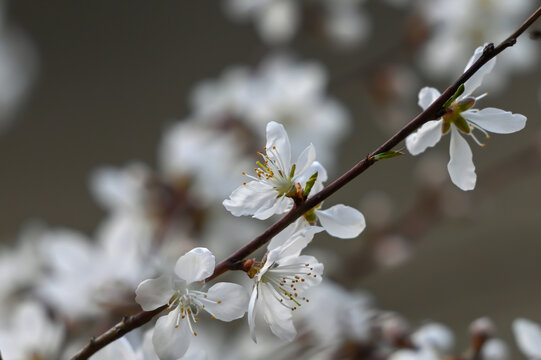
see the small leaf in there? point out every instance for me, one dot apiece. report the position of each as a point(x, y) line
point(458, 92)
point(310, 184)
point(387, 155)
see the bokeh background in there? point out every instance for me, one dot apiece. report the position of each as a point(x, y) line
point(110, 75)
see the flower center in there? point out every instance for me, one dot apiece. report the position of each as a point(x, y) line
point(452, 116)
point(273, 171)
point(189, 305)
point(288, 282)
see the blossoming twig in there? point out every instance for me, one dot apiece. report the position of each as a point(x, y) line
point(434, 111)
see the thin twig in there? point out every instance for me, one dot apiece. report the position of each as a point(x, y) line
point(126, 325)
point(434, 111)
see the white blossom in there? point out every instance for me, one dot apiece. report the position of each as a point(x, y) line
point(266, 194)
point(172, 333)
point(30, 334)
point(460, 119)
point(528, 337)
point(281, 281)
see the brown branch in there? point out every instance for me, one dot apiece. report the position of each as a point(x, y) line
point(126, 325)
point(434, 111)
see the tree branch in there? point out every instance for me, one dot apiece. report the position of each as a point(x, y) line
point(431, 113)
point(126, 325)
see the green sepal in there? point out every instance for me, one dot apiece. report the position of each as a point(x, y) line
point(310, 184)
point(462, 124)
point(387, 155)
point(310, 216)
point(458, 92)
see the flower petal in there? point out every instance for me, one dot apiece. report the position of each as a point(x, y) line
point(528, 337)
point(342, 221)
point(278, 144)
point(119, 349)
point(196, 265)
point(426, 136)
point(304, 162)
point(496, 120)
point(427, 96)
point(297, 241)
point(252, 313)
point(170, 342)
point(277, 316)
point(475, 81)
point(153, 293)
point(283, 236)
point(233, 301)
point(276, 206)
point(252, 198)
point(314, 167)
point(460, 167)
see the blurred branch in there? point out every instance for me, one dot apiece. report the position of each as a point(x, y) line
point(434, 111)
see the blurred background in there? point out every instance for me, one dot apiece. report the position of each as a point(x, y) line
point(102, 81)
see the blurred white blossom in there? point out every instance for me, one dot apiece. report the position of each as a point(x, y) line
point(30, 334)
point(459, 25)
point(277, 21)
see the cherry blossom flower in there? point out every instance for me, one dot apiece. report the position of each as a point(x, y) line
point(172, 333)
point(528, 336)
point(266, 194)
point(461, 119)
point(280, 282)
point(31, 334)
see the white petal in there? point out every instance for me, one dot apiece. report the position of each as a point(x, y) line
point(316, 167)
point(460, 167)
point(283, 236)
point(528, 337)
point(171, 343)
point(277, 138)
point(298, 241)
point(196, 265)
point(252, 313)
point(427, 96)
point(475, 81)
point(146, 350)
point(426, 136)
point(277, 316)
point(276, 206)
point(314, 264)
point(304, 162)
point(495, 349)
point(496, 120)
point(233, 301)
point(436, 336)
point(277, 21)
point(119, 349)
point(250, 198)
point(342, 221)
point(153, 293)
